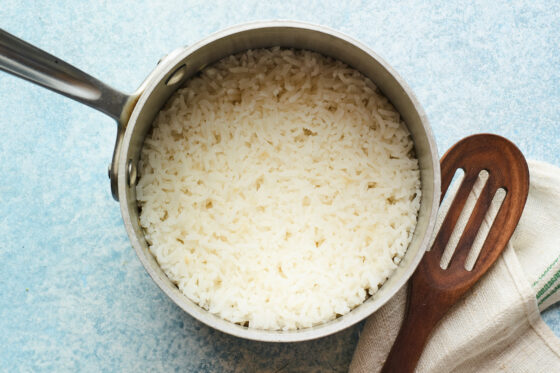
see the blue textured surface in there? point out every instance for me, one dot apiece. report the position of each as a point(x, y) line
point(74, 297)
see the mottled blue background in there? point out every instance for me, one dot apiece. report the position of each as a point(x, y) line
point(74, 297)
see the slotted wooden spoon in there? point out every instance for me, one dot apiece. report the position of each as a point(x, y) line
point(434, 290)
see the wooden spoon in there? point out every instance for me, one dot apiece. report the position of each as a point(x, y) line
point(434, 290)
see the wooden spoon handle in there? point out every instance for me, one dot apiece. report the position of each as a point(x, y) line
point(408, 346)
point(419, 321)
point(410, 342)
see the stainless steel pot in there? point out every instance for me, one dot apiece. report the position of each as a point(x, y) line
point(135, 114)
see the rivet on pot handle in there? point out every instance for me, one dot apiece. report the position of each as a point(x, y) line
point(37, 66)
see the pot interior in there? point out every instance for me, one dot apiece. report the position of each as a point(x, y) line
point(161, 84)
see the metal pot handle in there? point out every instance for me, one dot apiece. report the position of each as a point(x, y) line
point(37, 66)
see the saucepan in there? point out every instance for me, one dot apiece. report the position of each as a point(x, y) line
point(135, 113)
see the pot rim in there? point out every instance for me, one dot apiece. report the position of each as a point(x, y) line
point(354, 316)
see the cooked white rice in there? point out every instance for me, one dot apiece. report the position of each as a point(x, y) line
point(278, 189)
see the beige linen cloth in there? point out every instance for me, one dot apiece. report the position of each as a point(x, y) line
point(497, 326)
